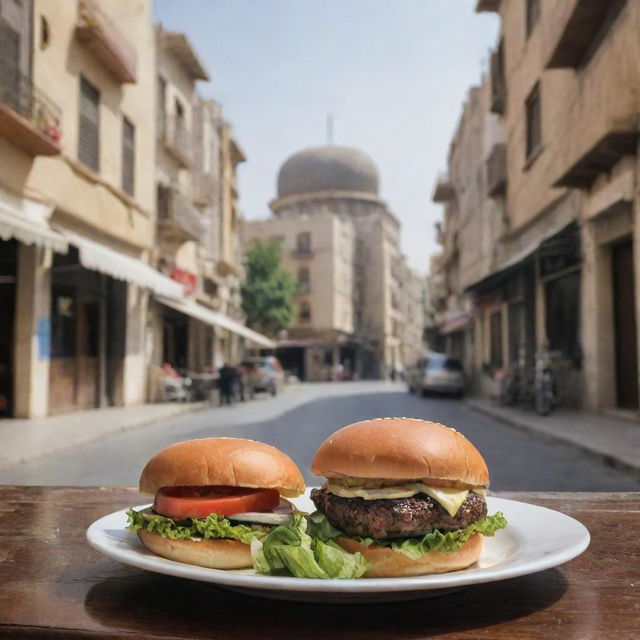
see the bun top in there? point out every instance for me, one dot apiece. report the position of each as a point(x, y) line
point(403, 449)
point(233, 462)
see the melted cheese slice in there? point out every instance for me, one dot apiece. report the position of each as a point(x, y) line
point(450, 499)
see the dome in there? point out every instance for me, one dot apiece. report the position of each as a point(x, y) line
point(328, 168)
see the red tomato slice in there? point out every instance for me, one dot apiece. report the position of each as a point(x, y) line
point(199, 502)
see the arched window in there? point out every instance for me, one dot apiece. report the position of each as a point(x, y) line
point(304, 315)
point(304, 280)
point(303, 242)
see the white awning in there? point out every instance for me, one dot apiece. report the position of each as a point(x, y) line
point(216, 319)
point(98, 257)
point(26, 221)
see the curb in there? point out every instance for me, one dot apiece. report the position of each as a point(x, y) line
point(24, 459)
point(521, 425)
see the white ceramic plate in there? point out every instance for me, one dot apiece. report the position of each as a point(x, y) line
point(536, 539)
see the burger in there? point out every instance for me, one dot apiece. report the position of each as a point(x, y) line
point(213, 498)
point(406, 494)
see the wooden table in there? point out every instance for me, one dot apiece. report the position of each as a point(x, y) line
point(53, 585)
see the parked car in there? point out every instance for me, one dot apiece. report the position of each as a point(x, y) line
point(436, 373)
point(263, 373)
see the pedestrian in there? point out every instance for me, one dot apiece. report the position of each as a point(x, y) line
point(226, 383)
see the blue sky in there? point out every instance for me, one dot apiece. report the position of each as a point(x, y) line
point(393, 73)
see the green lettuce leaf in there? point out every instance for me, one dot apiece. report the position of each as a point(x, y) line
point(213, 526)
point(445, 542)
point(290, 549)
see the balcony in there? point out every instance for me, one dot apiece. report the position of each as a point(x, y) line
point(105, 41)
point(177, 140)
point(28, 119)
point(443, 190)
point(488, 5)
point(497, 171)
point(205, 189)
point(584, 27)
point(600, 158)
point(178, 45)
point(498, 82)
point(178, 220)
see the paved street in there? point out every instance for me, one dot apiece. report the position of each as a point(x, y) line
point(301, 418)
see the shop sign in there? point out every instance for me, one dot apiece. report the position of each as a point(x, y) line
point(187, 279)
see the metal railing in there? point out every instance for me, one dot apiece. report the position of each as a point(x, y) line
point(206, 188)
point(18, 92)
point(175, 210)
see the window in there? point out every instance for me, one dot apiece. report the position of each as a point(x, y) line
point(533, 13)
point(89, 126)
point(495, 329)
point(534, 121)
point(161, 114)
point(303, 242)
point(304, 314)
point(304, 280)
point(562, 297)
point(498, 80)
point(128, 156)
point(163, 201)
point(63, 322)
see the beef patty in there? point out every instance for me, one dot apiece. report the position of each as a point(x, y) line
point(396, 517)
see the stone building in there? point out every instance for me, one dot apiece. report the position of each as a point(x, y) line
point(564, 85)
point(76, 204)
point(342, 244)
point(414, 307)
point(78, 217)
point(198, 219)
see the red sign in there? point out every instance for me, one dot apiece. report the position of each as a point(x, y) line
point(185, 278)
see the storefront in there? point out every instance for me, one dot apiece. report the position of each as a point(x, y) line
point(88, 329)
point(192, 337)
point(8, 277)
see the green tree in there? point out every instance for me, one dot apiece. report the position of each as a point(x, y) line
point(268, 290)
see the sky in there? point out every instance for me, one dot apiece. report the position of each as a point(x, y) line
point(393, 74)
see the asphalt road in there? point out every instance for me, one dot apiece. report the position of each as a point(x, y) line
point(301, 418)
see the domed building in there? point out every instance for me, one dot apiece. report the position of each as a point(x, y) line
point(342, 244)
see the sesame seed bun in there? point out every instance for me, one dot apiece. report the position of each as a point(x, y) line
point(401, 449)
point(233, 462)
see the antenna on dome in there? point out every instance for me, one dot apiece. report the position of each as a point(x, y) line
point(329, 129)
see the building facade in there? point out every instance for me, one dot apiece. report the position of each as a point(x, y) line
point(341, 243)
point(78, 203)
point(197, 239)
point(559, 274)
point(79, 232)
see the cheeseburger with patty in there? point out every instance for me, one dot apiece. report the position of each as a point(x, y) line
point(213, 498)
point(407, 494)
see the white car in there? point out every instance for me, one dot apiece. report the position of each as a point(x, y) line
point(436, 373)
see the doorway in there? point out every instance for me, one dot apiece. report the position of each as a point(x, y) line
point(8, 261)
point(624, 320)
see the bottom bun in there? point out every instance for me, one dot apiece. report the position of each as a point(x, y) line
point(214, 554)
point(387, 563)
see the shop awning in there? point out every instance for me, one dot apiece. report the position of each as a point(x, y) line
point(26, 221)
point(451, 323)
point(216, 319)
point(98, 257)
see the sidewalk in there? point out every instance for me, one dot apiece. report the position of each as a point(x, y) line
point(24, 439)
point(614, 439)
